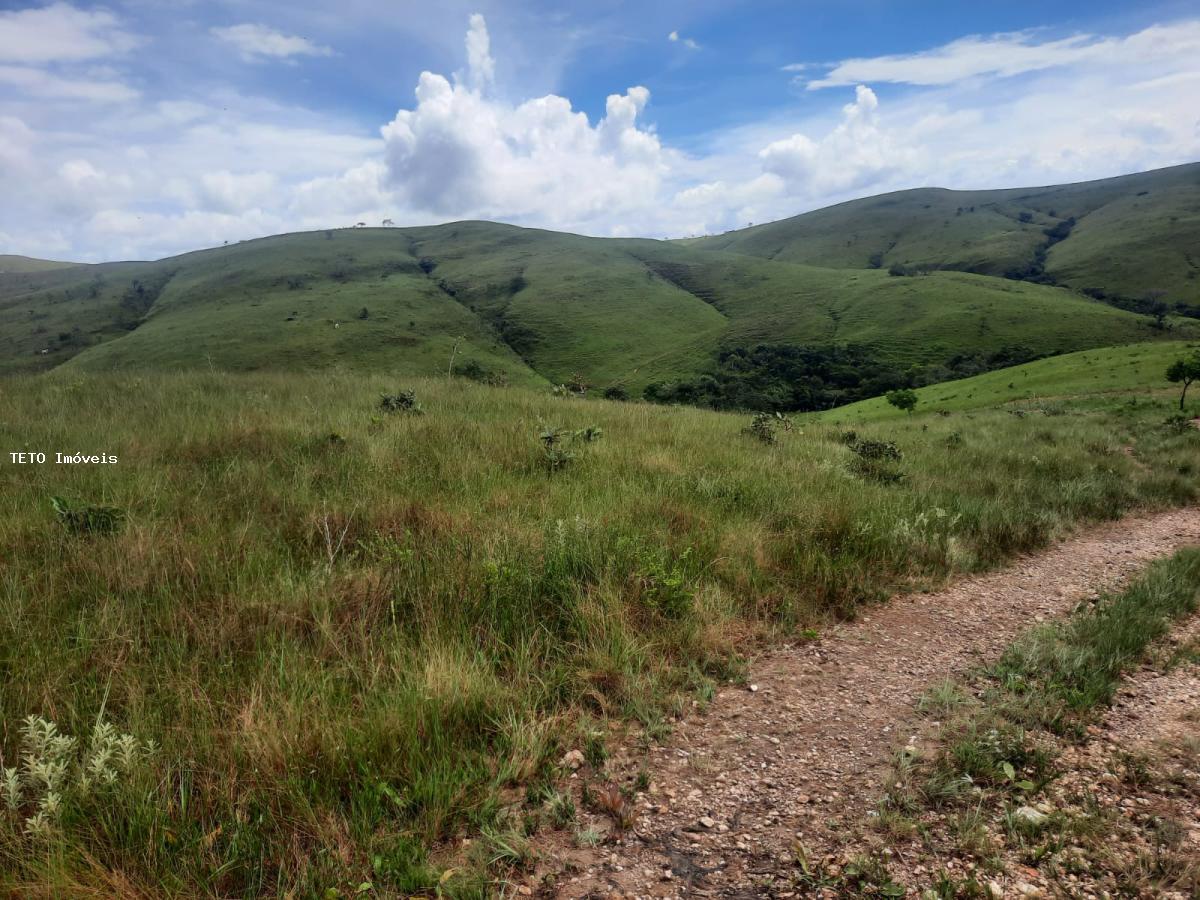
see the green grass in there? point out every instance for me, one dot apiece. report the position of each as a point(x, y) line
point(1135, 370)
point(1133, 234)
point(533, 306)
point(353, 632)
point(998, 758)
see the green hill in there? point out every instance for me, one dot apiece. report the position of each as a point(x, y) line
point(522, 304)
point(1130, 235)
point(527, 306)
point(1133, 369)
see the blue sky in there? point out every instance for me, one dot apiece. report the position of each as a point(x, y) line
point(148, 127)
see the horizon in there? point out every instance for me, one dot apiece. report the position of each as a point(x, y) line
point(445, 223)
point(129, 132)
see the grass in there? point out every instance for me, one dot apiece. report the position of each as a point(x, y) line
point(530, 307)
point(1133, 234)
point(1107, 374)
point(999, 749)
point(354, 634)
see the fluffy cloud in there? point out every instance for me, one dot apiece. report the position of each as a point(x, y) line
point(856, 154)
point(98, 164)
point(258, 42)
point(462, 152)
point(1005, 55)
point(60, 33)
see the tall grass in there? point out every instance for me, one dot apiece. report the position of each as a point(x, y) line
point(351, 632)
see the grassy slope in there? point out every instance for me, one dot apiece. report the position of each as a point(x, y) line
point(1135, 233)
point(534, 305)
point(912, 320)
point(10, 264)
point(1133, 369)
point(362, 642)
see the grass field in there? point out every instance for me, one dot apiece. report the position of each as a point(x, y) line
point(359, 637)
point(1134, 370)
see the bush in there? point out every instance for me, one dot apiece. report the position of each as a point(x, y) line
point(86, 519)
point(405, 401)
point(558, 444)
point(903, 398)
point(616, 392)
point(765, 426)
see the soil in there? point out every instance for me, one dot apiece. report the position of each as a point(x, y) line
point(797, 756)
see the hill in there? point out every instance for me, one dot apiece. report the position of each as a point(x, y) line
point(1124, 236)
point(521, 305)
point(1136, 369)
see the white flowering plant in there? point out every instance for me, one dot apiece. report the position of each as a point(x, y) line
point(55, 770)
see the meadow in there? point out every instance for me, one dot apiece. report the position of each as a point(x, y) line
point(360, 638)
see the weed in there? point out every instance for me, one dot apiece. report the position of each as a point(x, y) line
point(88, 519)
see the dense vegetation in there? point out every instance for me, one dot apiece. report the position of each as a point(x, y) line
point(788, 378)
point(351, 626)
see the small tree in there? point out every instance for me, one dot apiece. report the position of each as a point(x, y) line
point(1184, 371)
point(1157, 307)
point(904, 399)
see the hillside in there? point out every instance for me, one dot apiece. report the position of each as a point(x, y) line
point(522, 305)
point(1136, 369)
point(1130, 235)
point(381, 632)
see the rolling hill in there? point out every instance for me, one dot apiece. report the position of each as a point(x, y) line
point(1128, 235)
point(529, 307)
point(1136, 369)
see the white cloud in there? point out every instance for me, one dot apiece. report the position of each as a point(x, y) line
point(60, 33)
point(1005, 55)
point(259, 42)
point(856, 154)
point(149, 174)
point(37, 82)
point(688, 42)
point(481, 68)
point(461, 152)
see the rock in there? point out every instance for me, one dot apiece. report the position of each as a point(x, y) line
point(754, 688)
point(572, 759)
point(707, 821)
point(995, 891)
point(1030, 815)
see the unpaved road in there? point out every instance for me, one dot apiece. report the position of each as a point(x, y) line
point(801, 756)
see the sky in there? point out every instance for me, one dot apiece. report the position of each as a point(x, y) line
point(143, 128)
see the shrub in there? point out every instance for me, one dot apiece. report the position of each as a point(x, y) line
point(765, 426)
point(558, 444)
point(86, 519)
point(615, 392)
point(405, 401)
point(871, 461)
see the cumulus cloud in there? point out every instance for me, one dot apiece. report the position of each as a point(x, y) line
point(481, 68)
point(462, 152)
point(857, 153)
point(256, 43)
point(60, 33)
point(1005, 55)
point(92, 169)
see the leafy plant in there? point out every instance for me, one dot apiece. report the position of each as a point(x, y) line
point(766, 426)
point(404, 401)
point(87, 519)
point(57, 772)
